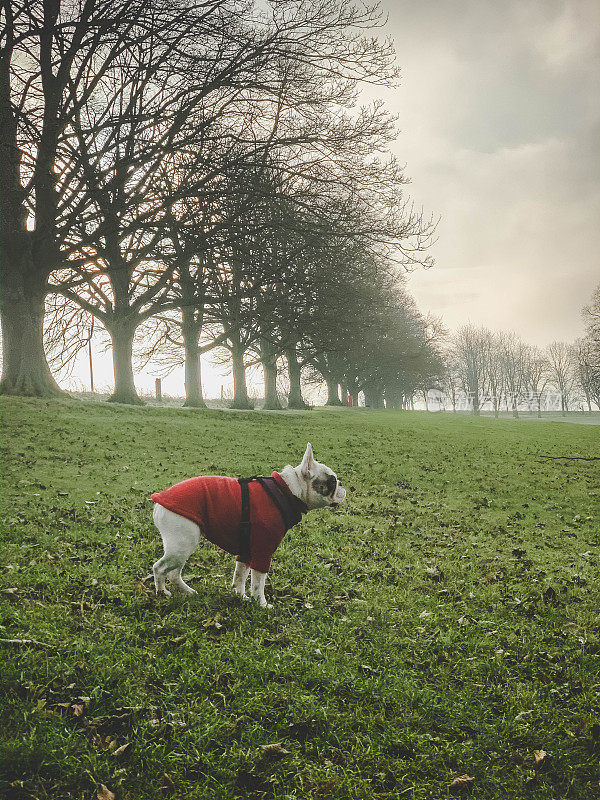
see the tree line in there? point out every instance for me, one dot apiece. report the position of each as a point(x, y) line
point(500, 371)
point(193, 176)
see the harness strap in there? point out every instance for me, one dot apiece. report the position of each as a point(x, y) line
point(276, 495)
point(244, 552)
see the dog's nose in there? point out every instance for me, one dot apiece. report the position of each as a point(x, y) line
point(340, 495)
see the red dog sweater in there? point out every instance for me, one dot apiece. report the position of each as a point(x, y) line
point(215, 505)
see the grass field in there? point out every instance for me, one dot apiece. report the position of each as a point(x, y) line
point(443, 622)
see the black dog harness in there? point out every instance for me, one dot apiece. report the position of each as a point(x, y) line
point(289, 514)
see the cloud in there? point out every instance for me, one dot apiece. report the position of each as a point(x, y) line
point(499, 134)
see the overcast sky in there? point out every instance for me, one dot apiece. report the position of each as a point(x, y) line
point(498, 110)
point(499, 114)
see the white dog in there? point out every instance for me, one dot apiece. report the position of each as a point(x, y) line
point(247, 518)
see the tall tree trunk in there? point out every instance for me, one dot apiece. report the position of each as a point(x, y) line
point(269, 362)
point(240, 391)
point(26, 257)
point(190, 329)
point(333, 398)
point(121, 333)
point(25, 369)
point(373, 397)
point(271, 398)
point(294, 371)
point(476, 402)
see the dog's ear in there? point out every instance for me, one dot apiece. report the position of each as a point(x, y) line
point(308, 462)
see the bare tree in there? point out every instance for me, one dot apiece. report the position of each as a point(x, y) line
point(515, 356)
point(562, 374)
point(587, 370)
point(537, 376)
point(588, 351)
point(87, 89)
point(51, 55)
point(471, 359)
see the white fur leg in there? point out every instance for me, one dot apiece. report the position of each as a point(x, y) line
point(178, 583)
point(257, 588)
point(180, 538)
point(240, 575)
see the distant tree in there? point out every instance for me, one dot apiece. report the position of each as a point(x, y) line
point(515, 355)
point(470, 352)
point(536, 377)
point(495, 377)
point(561, 371)
point(585, 373)
point(588, 352)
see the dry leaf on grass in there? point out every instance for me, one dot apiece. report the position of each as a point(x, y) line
point(167, 784)
point(214, 624)
point(104, 793)
point(122, 750)
point(540, 757)
point(461, 783)
point(275, 750)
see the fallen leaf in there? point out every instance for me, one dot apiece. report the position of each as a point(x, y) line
point(461, 783)
point(540, 757)
point(275, 750)
point(325, 788)
point(122, 750)
point(167, 784)
point(491, 577)
point(104, 793)
point(103, 742)
point(213, 623)
point(550, 596)
point(10, 590)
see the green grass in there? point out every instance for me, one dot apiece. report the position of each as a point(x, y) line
point(443, 621)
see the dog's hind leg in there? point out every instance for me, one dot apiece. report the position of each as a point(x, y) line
point(180, 538)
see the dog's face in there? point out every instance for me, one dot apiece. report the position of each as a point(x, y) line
point(322, 486)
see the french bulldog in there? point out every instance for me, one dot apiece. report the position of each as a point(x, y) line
point(212, 506)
